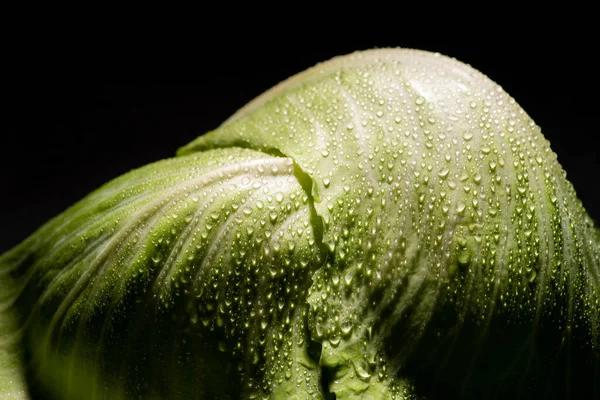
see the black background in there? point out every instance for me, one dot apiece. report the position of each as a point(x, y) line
point(66, 132)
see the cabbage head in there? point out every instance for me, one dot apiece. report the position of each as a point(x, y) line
point(389, 224)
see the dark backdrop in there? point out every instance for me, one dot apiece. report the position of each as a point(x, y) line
point(66, 132)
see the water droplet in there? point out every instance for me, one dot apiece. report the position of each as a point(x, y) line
point(532, 275)
point(361, 372)
point(335, 280)
point(279, 197)
point(331, 246)
point(346, 328)
point(464, 257)
point(348, 278)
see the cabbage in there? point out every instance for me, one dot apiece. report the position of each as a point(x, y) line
point(389, 224)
